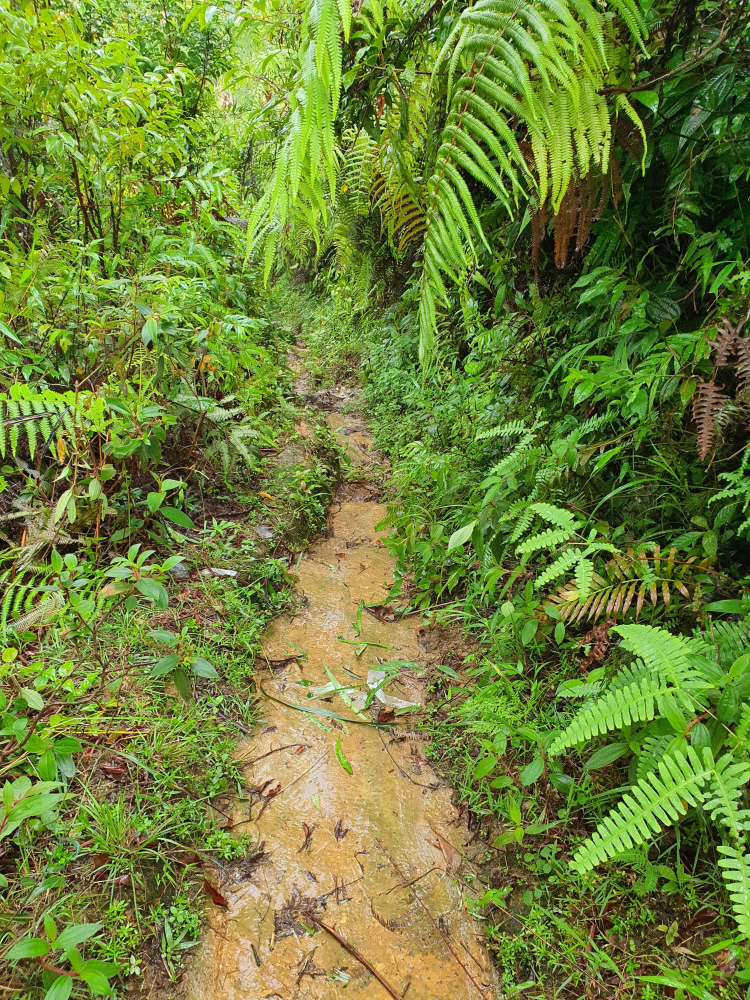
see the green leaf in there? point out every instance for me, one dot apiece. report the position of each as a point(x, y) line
point(46, 766)
point(77, 934)
point(154, 501)
point(202, 668)
point(182, 683)
point(529, 631)
point(67, 745)
point(449, 671)
point(28, 948)
point(96, 982)
point(341, 757)
point(164, 636)
point(728, 707)
point(460, 536)
point(502, 782)
point(60, 989)
point(165, 664)
point(62, 504)
point(178, 517)
point(648, 97)
point(33, 699)
point(606, 755)
point(153, 591)
point(532, 772)
point(483, 767)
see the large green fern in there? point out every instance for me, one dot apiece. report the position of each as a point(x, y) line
point(660, 702)
point(527, 114)
point(307, 162)
point(660, 798)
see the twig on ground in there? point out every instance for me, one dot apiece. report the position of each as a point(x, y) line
point(434, 922)
point(360, 958)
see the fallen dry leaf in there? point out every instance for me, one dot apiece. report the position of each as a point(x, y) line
point(338, 831)
point(215, 895)
point(453, 858)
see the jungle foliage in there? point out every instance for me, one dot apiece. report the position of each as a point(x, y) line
point(143, 394)
point(525, 223)
point(529, 221)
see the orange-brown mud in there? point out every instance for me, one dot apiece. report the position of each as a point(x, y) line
point(375, 854)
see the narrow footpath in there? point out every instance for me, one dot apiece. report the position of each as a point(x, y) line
point(356, 890)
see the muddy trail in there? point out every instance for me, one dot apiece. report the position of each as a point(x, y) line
point(355, 890)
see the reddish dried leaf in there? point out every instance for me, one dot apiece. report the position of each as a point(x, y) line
point(113, 770)
point(215, 895)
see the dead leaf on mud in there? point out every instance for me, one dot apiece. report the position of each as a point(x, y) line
point(338, 831)
point(308, 832)
point(215, 895)
point(453, 858)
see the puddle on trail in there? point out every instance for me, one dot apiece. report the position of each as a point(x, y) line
point(341, 846)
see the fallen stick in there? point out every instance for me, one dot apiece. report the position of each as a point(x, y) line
point(360, 958)
point(434, 923)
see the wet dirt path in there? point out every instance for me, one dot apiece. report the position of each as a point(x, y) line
point(373, 854)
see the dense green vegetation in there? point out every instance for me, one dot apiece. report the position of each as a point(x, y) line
point(522, 225)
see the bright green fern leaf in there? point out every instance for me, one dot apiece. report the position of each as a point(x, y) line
point(659, 799)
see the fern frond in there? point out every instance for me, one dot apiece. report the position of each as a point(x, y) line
point(548, 539)
point(666, 654)
point(728, 781)
point(563, 564)
point(49, 606)
point(660, 798)
point(556, 515)
point(638, 701)
point(653, 750)
point(735, 869)
point(535, 65)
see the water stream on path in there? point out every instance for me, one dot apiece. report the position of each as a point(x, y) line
point(372, 854)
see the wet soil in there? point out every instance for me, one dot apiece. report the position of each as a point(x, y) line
point(374, 854)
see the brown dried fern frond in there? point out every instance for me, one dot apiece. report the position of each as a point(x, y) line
point(629, 576)
point(707, 404)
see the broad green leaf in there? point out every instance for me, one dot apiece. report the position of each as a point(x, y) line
point(28, 948)
point(202, 668)
point(532, 772)
point(483, 767)
point(178, 517)
point(77, 934)
point(153, 591)
point(60, 989)
point(529, 631)
point(154, 501)
point(605, 756)
point(33, 699)
point(461, 536)
point(165, 665)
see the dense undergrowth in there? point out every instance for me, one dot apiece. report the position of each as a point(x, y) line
point(523, 226)
point(153, 487)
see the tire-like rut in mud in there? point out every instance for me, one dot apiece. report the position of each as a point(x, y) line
point(373, 854)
